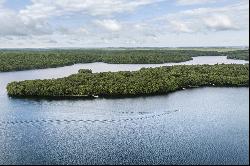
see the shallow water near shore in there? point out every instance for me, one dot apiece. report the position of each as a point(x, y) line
point(195, 126)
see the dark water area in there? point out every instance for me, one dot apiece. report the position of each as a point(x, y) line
point(195, 126)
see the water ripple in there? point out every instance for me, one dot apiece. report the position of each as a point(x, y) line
point(60, 121)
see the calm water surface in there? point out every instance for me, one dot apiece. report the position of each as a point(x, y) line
point(198, 126)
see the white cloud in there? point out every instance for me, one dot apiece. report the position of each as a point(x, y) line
point(46, 8)
point(194, 2)
point(82, 30)
point(219, 23)
point(72, 31)
point(180, 27)
point(13, 24)
point(86, 23)
point(34, 18)
point(1, 2)
point(231, 17)
point(139, 26)
point(108, 24)
point(36, 12)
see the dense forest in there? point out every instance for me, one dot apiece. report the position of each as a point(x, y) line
point(147, 81)
point(15, 60)
point(239, 54)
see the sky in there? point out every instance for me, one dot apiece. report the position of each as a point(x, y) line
point(123, 23)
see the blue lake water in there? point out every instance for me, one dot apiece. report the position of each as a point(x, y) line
point(195, 126)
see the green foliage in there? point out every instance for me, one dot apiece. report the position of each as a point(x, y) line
point(84, 71)
point(147, 81)
point(240, 54)
point(14, 60)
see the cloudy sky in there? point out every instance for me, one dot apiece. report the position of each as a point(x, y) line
point(123, 23)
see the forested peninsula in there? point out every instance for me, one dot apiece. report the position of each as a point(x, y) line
point(147, 81)
point(16, 60)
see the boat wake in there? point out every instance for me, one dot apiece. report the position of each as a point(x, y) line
point(69, 121)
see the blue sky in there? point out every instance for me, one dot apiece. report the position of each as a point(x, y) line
point(123, 23)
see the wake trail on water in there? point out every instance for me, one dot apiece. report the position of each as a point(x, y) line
point(69, 121)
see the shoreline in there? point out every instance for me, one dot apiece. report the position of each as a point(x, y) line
point(145, 82)
point(28, 60)
point(56, 98)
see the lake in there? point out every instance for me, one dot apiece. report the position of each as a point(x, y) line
point(195, 126)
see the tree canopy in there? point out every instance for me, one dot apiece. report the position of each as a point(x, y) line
point(15, 60)
point(147, 81)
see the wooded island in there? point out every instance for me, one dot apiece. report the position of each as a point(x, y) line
point(147, 81)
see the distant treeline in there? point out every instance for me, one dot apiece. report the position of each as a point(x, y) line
point(147, 81)
point(15, 60)
point(239, 54)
